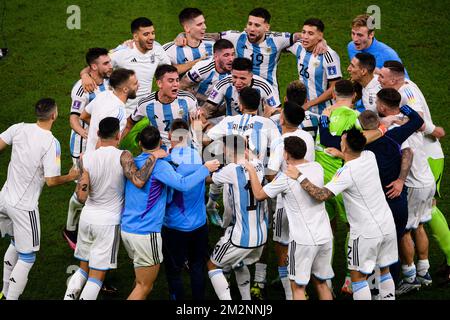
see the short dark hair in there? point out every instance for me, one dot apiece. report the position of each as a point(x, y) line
point(250, 98)
point(261, 13)
point(395, 66)
point(366, 61)
point(94, 53)
point(179, 124)
point(390, 97)
point(242, 64)
point(189, 14)
point(356, 141)
point(149, 137)
point(295, 147)
point(140, 22)
point(344, 88)
point(119, 77)
point(222, 44)
point(314, 22)
point(296, 92)
point(293, 113)
point(108, 128)
point(44, 108)
point(162, 69)
point(368, 120)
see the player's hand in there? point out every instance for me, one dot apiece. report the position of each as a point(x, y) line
point(74, 172)
point(438, 133)
point(159, 154)
point(88, 83)
point(268, 111)
point(306, 106)
point(292, 172)
point(396, 188)
point(212, 165)
point(128, 43)
point(320, 48)
point(389, 120)
point(333, 152)
point(327, 112)
point(180, 40)
point(84, 133)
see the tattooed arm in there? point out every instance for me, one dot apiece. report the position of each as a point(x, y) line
point(83, 184)
point(396, 186)
point(137, 177)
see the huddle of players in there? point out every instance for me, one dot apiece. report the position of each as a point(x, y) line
point(259, 140)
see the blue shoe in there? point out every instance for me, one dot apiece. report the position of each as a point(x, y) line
point(214, 217)
point(424, 280)
point(406, 286)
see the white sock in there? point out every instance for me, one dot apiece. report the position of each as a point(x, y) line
point(387, 287)
point(91, 289)
point(422, 267)
point(19, 278)
point(283, 273)
point(260, 272)
point(409, 272)
point(73, 213)
point(243, 281)
point(9, 261)
point(76, 283)
point(361, 290)
point(220, 284)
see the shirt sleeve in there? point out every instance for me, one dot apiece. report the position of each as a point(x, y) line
point(164, 57)
point(276, 155)
point(282, 40)
point(217, 93)
point(293, 49)
point(277, 186)
point(52, 160)
point(340, 181)
point(139, 113)
point(167, 175)
point(224, 175)
point(116, 55)
point(8, 135)
point(219, 130)
point(332, 65)
point(231, 35)
point(271, 99)
point(79, 100)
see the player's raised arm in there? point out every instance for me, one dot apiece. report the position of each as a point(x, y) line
point(256, 186)
point(320, 194)
point(58, 180)
point(131, 172)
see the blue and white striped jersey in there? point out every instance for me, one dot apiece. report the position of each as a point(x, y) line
point(161, 114)
point(181, 55)
point(265, 55)
point(80, 99)
point(205, 75)
point(315, 72)
point(225, 91)
point(249, 217)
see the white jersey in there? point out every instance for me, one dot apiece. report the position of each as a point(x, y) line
point(315, 72)
point(106, 104)
point(224, 91)
point(369, 94)
point(276, 161)
point(260, 131)
point(249, 217)
point(308, 220)
point(35, 155)
point(265, 55)
point(80, 99)
point(181, 55)
point(414, 98)
point(205, 76)
point(107, 182)
point(161, 115)
point(143, 64)
point(367, 211)
point(420, 174)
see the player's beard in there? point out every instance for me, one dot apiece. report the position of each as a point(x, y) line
point(132, 95)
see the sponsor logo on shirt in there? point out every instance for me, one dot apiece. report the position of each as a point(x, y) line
point(271, 101)
point(76, 105)
point(195, 76)
point(332, 70)
point(133, 60)
point(152, 58)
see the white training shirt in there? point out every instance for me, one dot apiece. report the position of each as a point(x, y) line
point(36, 155)
point(414, 98)
point(367, 211)
point(369, 94)
point(143, 64)
point(260, 131)
point(107, 182)
point(106, 104)
point(249, 217)
point(309, 224)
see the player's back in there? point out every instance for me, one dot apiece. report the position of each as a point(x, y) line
point(105, 200)
point(34, 150)
point(420, 174)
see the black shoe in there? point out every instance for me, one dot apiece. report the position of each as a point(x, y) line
point(108, 289)
point(70, 237)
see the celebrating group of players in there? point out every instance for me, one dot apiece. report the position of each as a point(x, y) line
point(362, 151)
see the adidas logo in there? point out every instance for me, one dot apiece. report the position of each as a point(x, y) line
point(133, 60)
point(8, 263)
point(72, 296)
point(390, 295)
point(12, 280)
point(244, 283)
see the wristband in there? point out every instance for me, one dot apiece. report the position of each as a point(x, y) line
point(382, 128)
point(300, 178)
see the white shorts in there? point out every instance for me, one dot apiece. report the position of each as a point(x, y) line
point(98, 245)
point(23, 225)
point(364, 254)
point(306, 260)
point(280, 224)
point(144, 249)
point(227, 254)
point(420, 203)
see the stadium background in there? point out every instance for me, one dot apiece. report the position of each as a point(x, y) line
point(45, 59)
